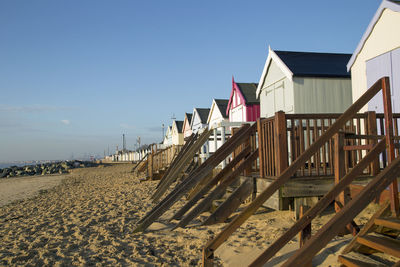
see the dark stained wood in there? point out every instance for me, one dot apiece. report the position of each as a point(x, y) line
point(220, 189)
point(389, 222)
point(231, 203)
point(305, 234)
point(213, 244)
point(221, 175)
point(387, 106)
point(178, 158)
point(358, 147)
point(372, 130)
point(354, 207)
point(367, 227)
point(354, 259)
point(200, 173)
point(281, 148)
point(320, 206)
point(186, 159)
point(382, 243)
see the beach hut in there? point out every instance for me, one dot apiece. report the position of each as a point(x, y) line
point(216, 118)
point(187, 130)
point(304, 82)
point(168, 137)
point(199, 122)
point(243, 105)
point(199, 119)
point(177, 133)
point(378, 55)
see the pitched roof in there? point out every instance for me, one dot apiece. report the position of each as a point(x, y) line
point(189, 117)
point(249, 92)
point(392, 5)
point(312, 64)
point(222, 105)
point(179, 125)
point(203, 114)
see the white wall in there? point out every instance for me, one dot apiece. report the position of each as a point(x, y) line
point(277, 92)
point(384, 37)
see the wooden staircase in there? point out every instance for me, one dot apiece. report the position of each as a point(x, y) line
point(346, 211)
point(377, 244)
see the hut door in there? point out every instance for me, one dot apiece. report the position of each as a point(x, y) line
point(387, 64)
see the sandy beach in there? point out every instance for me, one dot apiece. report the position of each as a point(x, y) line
point(88, 218)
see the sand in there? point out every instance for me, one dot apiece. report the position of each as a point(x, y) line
point(89, 218)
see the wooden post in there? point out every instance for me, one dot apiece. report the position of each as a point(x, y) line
point(305, 234)
point(387, 106)
point(281, 151)
point(340, 171)
point(372, 130)
point(281, 157)
point(223, 142)
point(261, 147)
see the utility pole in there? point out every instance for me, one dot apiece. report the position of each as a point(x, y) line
point(162, 126)
point(123, 143)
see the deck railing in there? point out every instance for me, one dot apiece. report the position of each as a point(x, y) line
point(280, 146)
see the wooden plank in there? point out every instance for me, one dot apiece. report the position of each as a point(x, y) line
point(358, 147)
point(320, 206)
point(261, 149)
point(213, 244)
point(281, 147)
point(367, 227)
point(355, 206)
point(221, 175)
point(231, 203)
point(206, 202)
point(178, 158)
point(382, 243)
point(387, 106)
point(389, 222)
point(191, 181)
point(181, 165)
point(354, 259)
point(305, 234)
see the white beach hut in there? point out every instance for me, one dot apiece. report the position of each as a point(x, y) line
point(378, 55)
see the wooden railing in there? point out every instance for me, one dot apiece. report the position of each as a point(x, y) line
point(299, 131)
point(160, 159)
point(345, 216)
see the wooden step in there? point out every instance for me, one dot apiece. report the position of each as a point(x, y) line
point(382, 243)
point(389, 222)
point(354, 259)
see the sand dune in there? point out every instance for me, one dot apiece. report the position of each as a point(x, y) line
point(89, 218)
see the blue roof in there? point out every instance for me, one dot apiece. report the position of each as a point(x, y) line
point(312, 64)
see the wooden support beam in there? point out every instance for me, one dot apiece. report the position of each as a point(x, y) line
point(373, 130)
point(281, 147)
point(358, 147)
point(191, 181)
point(387, 106)
point(181, 165)
point(354, 207)
point(178, 158)
point(320, 206)
point(231, 203)
point(221, 175)
point(220, 189)
point(305, 234)
point(213, 244)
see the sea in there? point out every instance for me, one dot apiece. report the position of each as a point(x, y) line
point(18, 164)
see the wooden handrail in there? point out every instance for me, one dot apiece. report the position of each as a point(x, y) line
point(321, 205)
point(345, 215)
point(213, 244)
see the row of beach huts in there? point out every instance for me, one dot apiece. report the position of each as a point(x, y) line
point(298, 139)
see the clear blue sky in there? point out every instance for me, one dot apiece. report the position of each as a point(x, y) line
point(76, 75)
